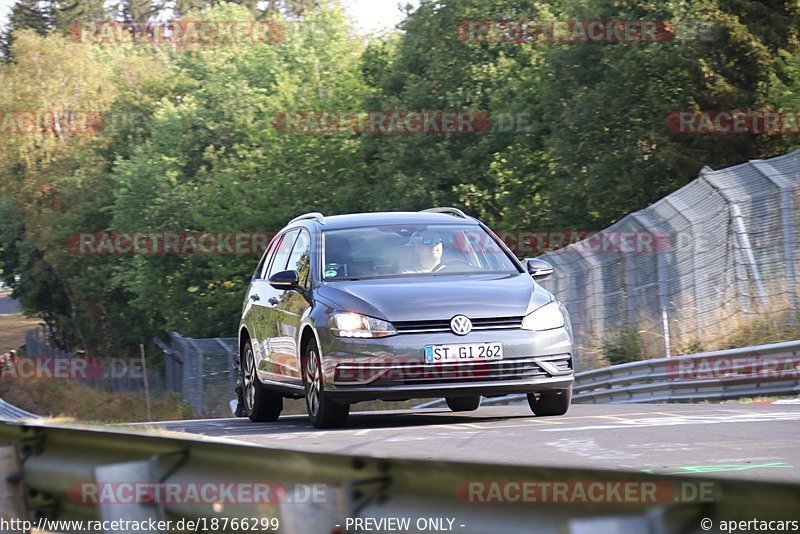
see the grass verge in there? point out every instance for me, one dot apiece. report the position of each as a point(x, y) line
point(73, 400)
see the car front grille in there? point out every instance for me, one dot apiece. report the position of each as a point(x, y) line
point(408, 374)
point(443, 325)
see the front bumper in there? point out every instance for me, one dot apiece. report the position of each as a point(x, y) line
point(394, 368)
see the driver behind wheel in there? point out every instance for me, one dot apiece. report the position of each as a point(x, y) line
point(428, 248)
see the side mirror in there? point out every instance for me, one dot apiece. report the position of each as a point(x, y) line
point(284, 280)
point(538, 269)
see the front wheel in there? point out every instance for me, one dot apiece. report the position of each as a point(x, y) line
point(260, 404)
point(550, 402)
point(463, 404)
point(323, 412)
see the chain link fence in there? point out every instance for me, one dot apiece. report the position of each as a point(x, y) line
point(723, 253)
point(204, 371)
point(120, 375)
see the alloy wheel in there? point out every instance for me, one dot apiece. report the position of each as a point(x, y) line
point(249, 377)
point(313, 379)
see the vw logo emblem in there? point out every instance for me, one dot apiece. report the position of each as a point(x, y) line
point(460, 325)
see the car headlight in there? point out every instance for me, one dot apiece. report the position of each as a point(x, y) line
point(348, 324)
point(547, 317)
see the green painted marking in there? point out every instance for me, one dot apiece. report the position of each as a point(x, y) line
point(684, 469)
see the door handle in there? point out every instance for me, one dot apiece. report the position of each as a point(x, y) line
point(255, 298)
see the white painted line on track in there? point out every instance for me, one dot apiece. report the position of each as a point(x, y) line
point(688, 420)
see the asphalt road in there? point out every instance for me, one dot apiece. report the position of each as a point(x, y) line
point(749, 441)
point(8, 306)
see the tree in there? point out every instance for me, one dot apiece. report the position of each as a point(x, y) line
point(183, 7)
point(594, 145)
point(785, 91)
point(141, 10)
point(25, 15)
point(271, 8)
point(604, 108)
point(213, 161)
point(67, 13)
point(48, 172)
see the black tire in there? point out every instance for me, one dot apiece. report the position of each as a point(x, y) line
point(551, 402)
point(463, 404)
point(260, 404)
point(323, 412)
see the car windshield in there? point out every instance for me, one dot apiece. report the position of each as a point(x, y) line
point(411, 250)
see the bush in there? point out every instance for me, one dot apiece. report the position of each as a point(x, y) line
point(623, 346)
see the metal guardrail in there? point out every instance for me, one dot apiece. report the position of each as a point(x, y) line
point(760, 371)
point(764, 370)
point(50, 464)
point(9, 412)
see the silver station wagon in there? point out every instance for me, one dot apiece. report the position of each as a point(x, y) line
point(397, 306)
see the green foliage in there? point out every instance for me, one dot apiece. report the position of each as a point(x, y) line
point(786, 90)
point(694, 347)
point(25, 15)
point(66, 14)
point(623, 345)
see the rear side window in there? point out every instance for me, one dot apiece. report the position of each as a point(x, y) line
point(300, 259)
point(265, 259)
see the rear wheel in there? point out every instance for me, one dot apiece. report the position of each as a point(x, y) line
point(260, 404)
point(550, 402)
point(463, 404)
point(323, 412)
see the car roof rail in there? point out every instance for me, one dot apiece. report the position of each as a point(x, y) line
point(449, 211)
point(315, 215)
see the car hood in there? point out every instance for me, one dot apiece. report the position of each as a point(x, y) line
point(438, 297)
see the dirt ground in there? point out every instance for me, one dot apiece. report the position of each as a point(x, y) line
point(12, 331)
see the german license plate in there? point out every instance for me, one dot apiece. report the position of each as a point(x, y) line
point(467, 352)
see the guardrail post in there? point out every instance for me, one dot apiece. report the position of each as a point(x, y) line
point(113, 475)
point(12, 500)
